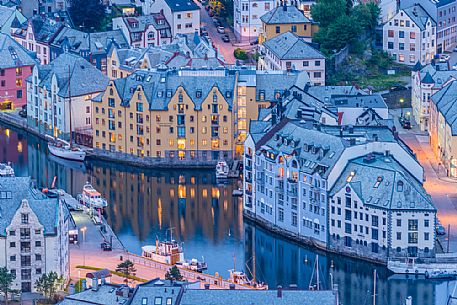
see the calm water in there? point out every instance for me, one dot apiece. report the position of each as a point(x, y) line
point(144, 204)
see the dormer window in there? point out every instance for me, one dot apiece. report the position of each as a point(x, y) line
point(262, 95)
point(400, 186)
point(228, 94)
point(198, 94)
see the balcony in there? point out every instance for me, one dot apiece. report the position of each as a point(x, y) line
point(25, 236)
point(249, 157)
point(279, 189)
point(292, 181)
point(248, 179)
point(248, 192)
point(292, 193)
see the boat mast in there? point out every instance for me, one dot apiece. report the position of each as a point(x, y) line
point(69, 104)
point(317, 271)
point(374, 287)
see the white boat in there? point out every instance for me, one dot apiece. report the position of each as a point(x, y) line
point(91, 198)
point(167, 252)
point(440, 275)
point(6, 170)
point(241, 278)
point(194, 265)
point(66, 151)
point(443, 263)
point(222, 170)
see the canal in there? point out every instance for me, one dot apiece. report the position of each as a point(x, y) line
point(149, 204)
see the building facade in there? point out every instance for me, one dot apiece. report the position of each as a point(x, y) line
point(286, 18)
point(16, 65)
point(10, 19)
point(246, 17)
point(144, 31)
point(34, 236)
point(290, 52)
point(183, 16)
point(410, 36)
point(53, 91)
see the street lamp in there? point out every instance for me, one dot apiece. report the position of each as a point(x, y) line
point(83, 230)
point(401, 106)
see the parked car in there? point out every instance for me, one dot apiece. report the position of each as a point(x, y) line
point(203, 31)
point(397, 88)
point(106, 246)
point(454, 66)
point(444, 57)
point(225, 38)
point(221, 29)
point(455, 49)
point(404, 122)
point(440, 230)
point(23, 112)
point(210, 13)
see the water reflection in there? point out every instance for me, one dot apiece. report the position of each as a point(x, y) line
point(143, 204)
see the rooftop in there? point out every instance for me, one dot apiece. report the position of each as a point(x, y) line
point(106, 294)
point(12, 54)
point(141, 23)
point(419, 16)
point(182, 5)
point(290, 46)
point(284, 14)
point(445, 101)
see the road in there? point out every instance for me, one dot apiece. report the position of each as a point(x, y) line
point(442, 189)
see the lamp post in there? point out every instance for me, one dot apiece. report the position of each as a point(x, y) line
point(401, 106)
point(83, 230)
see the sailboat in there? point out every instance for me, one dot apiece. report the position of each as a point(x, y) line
point(64, 149)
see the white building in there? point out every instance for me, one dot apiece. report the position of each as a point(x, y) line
point(426, 81)
point(49, 90)
point(182, 15)
point(379, 210)
point(34, 233)
point(410, 36)
point(144, 31)
point(288, 51)
point(247, 13)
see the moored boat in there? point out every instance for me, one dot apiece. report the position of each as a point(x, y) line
point(167, 252)
point(194, 265)
point(67, 152)
point(222, 170)
point(6, 170)
point(91, 198)
point(440, 275)
point(241, 278)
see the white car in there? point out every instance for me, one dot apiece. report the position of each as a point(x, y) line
point(444, 57)
point(454, 67)
point(221, 29)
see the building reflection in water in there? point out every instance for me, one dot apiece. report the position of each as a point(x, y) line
point(143, 204)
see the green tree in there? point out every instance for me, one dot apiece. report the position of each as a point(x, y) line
point(327, 11)
point(344, 30)
point(127, 268)
point(240, 54)
point(366, 15)
point(6, 281)
point(48, 283)
point(87, 13)
point(173, 274)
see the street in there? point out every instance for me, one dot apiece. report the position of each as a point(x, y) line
point(442, 189)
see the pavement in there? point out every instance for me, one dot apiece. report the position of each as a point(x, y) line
point(442, 189)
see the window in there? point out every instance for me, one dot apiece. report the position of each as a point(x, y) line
point(401, 46)
point(12, 244)
point(401, 34)
point(278, 29)
point(398, 235)
point(158, 300)
point(38, 231)
point(412, 35)
point(13, 258)
point(144, 301)
point(317, 63)
point(390, 33)
point(38, 243)
point(305, 63)
point(18, 82)
point(317, 74)
point(169, 301)
point(390, 45)
point(398, 222)
point(12, 233)
point(24, 218)
point(38, 270)
point(412, 225)
point(111, 102)
point(280, 214)
point(426, 236)
point(38, 257)
point(374, 221)
point(19, 94)
point(412, 237)
point(374, 234)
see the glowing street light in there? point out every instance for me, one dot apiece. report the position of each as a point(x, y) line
point(401, 106)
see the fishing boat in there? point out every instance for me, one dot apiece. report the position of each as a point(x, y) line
point(6, 170)
point(61, 148)
point(241, 278)
point(167, 252)
point(193, 265)
point(222, 170)
point(91, 198)
point(443, 262)
point(440, 275)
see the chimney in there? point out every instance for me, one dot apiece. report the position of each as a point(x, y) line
point(206, 286)
point(94, 284)
point(409, 301)
point(83, 285)
point(232, 286)
point(279, 291)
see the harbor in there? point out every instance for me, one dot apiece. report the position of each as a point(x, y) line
point(144, 204)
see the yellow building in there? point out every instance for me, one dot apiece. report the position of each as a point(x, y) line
point(286, 18)
point(189, 115)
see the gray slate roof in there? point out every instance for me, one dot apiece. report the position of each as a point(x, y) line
point(256, 297)
point(44, 29)
point(358, 101)
point(284, 15)
point(419, 16)
point(106, 295)
point(84, 77)
point(145, 21)
point(438, 75)
point(182, 5)
point(445, 101)
point(20, 188)
point(12, 54)
point(290, 46)
point(397, 190)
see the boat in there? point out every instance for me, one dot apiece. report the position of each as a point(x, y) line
point(222, 170)
point(443, 262)
point(76, 165)
point(167, 252)
point(6, 170)
point(241, 278)
point(237, 193)
point(440, 275)
point(91, 198)
point(194, 265)
point(61, 148)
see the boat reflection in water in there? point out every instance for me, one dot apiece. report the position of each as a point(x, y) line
point(144, 204)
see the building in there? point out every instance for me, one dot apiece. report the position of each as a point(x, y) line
point(10, 19)
point(293, 158)
point(94, 47)
point(51, 88)
point(16, 65)
point(286, 18)
point(34, 233)
point(410, 36)
point(183, 16)
point(36, 36)
point(444, 13)
point(443, 127)
point(290, 52)
point(159, 291)
point(246, 15)
point(426, 81)
point(379, 210)
point(144, 31)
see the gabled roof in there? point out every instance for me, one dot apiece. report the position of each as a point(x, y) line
point(419, 16)
point(45, 29)
point(182, 5)
point(428, 79)
point(12, 54)
point(284, 14)
point(289, 46)
point(445, 101)
point(140, 23)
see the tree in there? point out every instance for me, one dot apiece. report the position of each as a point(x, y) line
point(327, 11)
point(127, 268)
point(240, 54)
point(47, 284)
point(6, 281)
point(87, 13)
point(173, 274)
